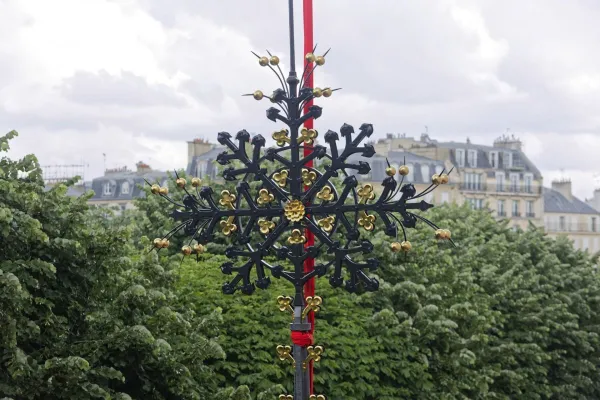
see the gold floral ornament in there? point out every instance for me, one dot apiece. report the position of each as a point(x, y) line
point(227, 200)
point(264, 197)
point(443, 234)
point(198, 248)
point(308, 177)
point(327, 223)
point(294, 210)
point(297, 237)
point(366, 193)
point(285, 303)
point(266, 226)
point(286, 397)
point(326, 194)
point(281, 137)
point(314, 354)
point(281, 177)
point(308, 136)
point(367, 221)
point(284, 353)
point(312, 304)
point(317, 397)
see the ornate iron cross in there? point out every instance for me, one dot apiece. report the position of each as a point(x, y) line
point(293, 198)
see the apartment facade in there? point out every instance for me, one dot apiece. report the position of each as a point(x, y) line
point(498, 177)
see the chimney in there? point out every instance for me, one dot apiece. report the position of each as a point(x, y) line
point(563, 186)
point(197, 147)
point(508, 142)
point(142, 168)
point(594, 202)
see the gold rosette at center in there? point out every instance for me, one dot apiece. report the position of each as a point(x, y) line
point(294, 210)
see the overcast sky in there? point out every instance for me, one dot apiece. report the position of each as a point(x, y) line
point(136, 79)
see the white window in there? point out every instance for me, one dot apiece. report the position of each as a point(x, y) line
point(507, 159)
point(586, 244)
point(529, 209)
point(476, 204)
point(460, 157)
point(494, 159)
point(411, 173)
point(562, 225)
point(107, 189)
point(528, 183)
point(501, 211)
point(445, 197)
point(594, 224)
point(472, 158)
point(428, 197)
point(472, 181)
point(438, 169)
point(125, 188)
point(425, 172)
point(515, 208)
point(500, 181)
point(514, 182)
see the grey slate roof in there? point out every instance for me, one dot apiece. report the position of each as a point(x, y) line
point(519, 158)
point(555, 202)
point(116, 180)
point(378, 165)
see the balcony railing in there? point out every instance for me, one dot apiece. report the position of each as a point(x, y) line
point(519, 188)
point(475, 187)
point(502, 213)
point(516, 214)
point(572, 227)
point(530, 215)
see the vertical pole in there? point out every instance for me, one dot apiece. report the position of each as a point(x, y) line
point(309, 264)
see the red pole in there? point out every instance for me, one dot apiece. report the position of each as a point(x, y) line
point(309, 264)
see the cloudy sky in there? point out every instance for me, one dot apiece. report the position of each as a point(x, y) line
point(136, 79)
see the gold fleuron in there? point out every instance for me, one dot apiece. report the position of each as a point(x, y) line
point(285, 303)
point(294, 211)
point(274, 60)
point(155, 189)
point(198, 248)
point(227, 199)
point(264, 197)
point(367, 221)
point(390, 171)
point(263, 61)
point(317, 92)
point(281, 137)
point(312, 304)
point(228, 226)
point(327, 223)
point(317, 397)
point(286, 397)
point(444, 179)
point(310, 57)
point(181, 182)
point(396, 247)
point(164, 190)
point(308, 136)
point(258, 95)
point(157, 243)
point(403, 170)
point(319, 60)
point(186, 250)
point(164, 243)
point(281, 177)
point(196, 182)
point(327, 92)
point(436, 180)
point(405, 246)
point(314, 354)
point(326, 194)
point(308, 177)
point(266, 226)
point(284, 354)
point(366, 193)
point(296, 237)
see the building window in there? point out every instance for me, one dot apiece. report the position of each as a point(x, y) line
point(586, 244)
point(460, 157)
point(514, 183)
point(528, 183)
point(201, 169)
point(515, 208)
point(472, 181)
point(438, 169)
point(500, 181)
point(425, 172)
point(125, 188)
point(445, 197)
point(507, 159)
point(501, 210)
point(411, 173)
point(529, 209)
point(476, 204)
point(107, 189)
point(562, 223)
point(472, 158)
point(494, 159)
point(593, 226)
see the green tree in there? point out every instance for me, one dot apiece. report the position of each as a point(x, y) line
point(82, 314)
